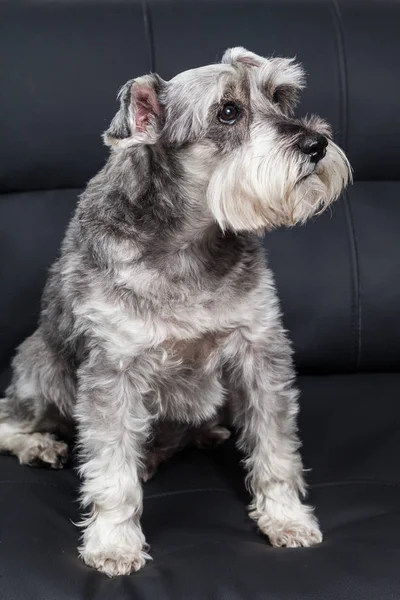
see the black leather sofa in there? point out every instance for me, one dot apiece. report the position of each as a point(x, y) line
point(339, 279)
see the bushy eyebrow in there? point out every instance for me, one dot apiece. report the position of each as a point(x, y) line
point(280, 72)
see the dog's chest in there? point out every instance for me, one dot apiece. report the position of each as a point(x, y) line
point(187, 380)
point(198, 353)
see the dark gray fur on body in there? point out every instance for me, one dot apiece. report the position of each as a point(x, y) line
point(161, 304)
point(110, 220)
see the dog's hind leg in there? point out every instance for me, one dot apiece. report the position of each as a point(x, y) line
point(36, 404)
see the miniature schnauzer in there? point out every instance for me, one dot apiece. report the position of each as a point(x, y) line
point(161, 306)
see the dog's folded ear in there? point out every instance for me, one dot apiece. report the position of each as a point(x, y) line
point(241, 55)
point(139, 118)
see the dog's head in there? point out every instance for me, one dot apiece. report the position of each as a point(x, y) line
point(232, 125)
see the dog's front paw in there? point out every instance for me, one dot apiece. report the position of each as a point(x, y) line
point(115, 562)
point(293, 533)
point(113, 549)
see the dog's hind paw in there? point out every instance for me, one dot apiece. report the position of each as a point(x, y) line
point(211, 437)
point(42, 449)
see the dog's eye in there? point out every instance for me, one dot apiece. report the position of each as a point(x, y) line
point(228, 113)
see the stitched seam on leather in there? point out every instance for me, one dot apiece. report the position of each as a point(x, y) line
point(179, 492)
point(148, 497)
point(354, 482)
point(357, 285)
point(200, 490)
point(40, 189)
point(148, 31)
point(354, 258)
point(341, 52)
point(45, 483)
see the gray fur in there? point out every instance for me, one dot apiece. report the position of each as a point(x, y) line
point(162, 302)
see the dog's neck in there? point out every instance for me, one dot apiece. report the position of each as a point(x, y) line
point(167, 189)
point(146, 220)
point(153, 200)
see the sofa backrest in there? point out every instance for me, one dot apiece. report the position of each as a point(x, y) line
point(62, 63)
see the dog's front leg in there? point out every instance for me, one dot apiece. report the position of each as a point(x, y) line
point(265, 411)
point(113, 426)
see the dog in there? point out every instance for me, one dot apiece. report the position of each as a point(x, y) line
point(161, 305)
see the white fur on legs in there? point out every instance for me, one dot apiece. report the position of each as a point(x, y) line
point(276, 481)
point(284, 519)
point(265, 413)
point(113, 427)
point(32, 448)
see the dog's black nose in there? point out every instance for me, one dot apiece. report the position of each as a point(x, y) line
point(314, 145)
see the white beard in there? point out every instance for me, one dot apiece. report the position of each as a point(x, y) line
point(267, 183)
